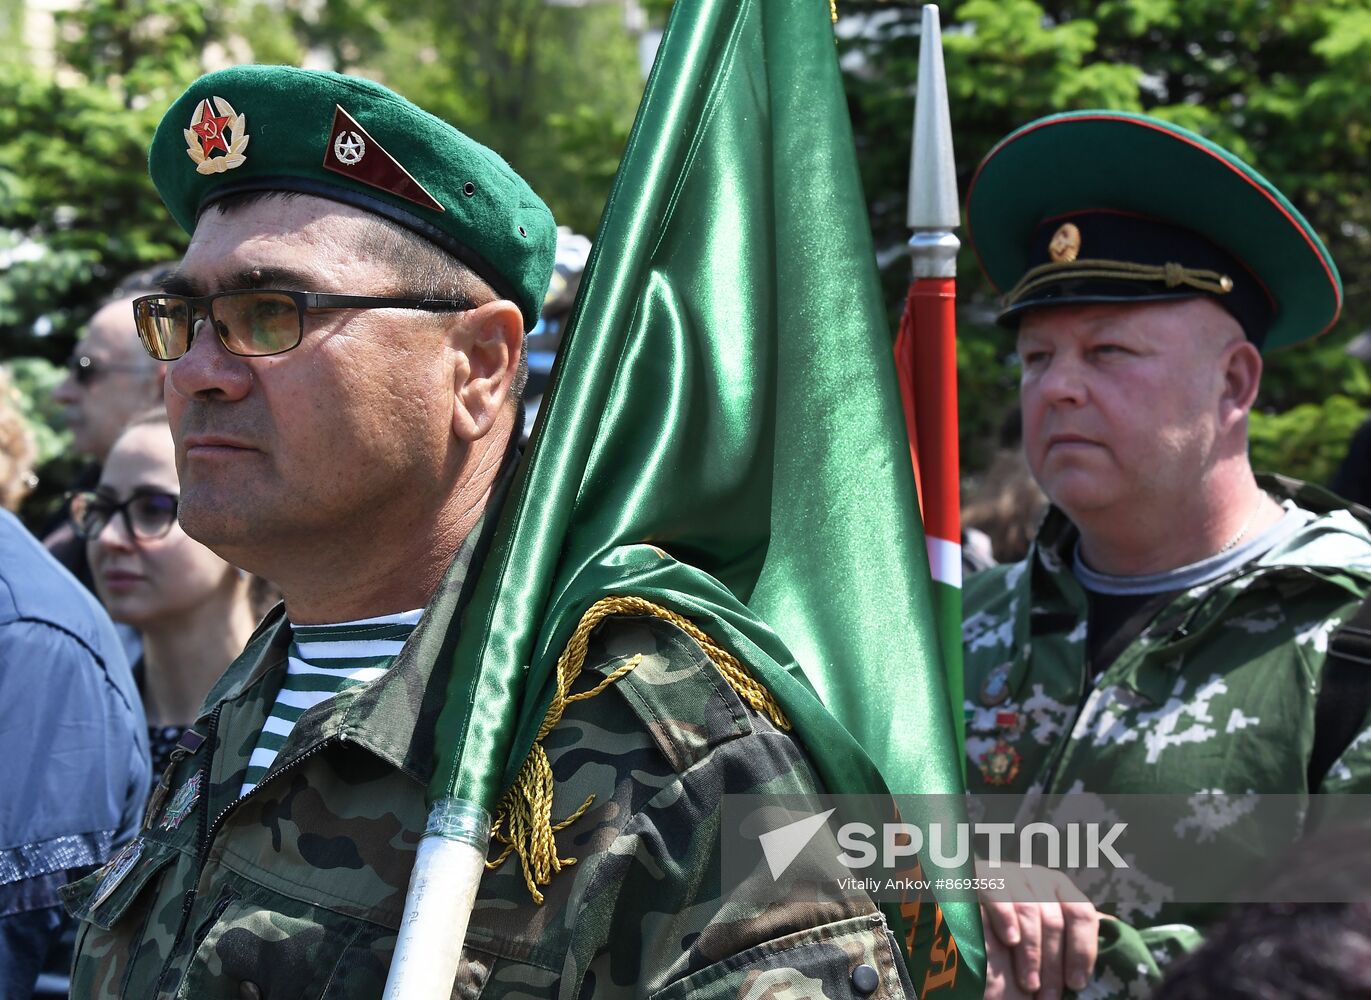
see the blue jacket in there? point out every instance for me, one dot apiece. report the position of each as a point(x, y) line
point(74, 765)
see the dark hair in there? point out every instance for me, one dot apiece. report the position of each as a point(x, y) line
point(422, 269)
point(1285, 947)
point(1296, 951)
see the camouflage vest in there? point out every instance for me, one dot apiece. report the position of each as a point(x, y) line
point(1237, 660)
point(1216, 693)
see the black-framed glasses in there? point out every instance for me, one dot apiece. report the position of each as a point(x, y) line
point(147, 514)
point(85, 369)
point(254, 322)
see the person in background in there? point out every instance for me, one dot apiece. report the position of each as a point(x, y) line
point(1168, 630)
point(1283, 948)
point(1318, 951)
point(193, 610)
point(110, 378)
point(73, 741)
point(17, 449)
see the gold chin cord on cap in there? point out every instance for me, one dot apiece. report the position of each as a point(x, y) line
point(1172, 275)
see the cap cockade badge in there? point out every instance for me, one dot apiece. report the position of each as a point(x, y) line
point(211, 133)
point(1065, 244)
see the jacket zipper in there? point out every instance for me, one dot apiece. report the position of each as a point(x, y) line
point(208, 830)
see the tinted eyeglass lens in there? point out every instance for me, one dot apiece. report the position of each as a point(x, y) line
point(148, 515)
point(152, 515)
point(163, 325)
point(257, 323)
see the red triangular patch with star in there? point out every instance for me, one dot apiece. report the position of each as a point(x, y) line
point(352, 152)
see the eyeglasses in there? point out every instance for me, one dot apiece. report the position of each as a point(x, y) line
point(252, 323)
point(85, 370)
point(147, 514)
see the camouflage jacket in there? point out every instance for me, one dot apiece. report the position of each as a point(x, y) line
point(1217, 692)
point(296, 889)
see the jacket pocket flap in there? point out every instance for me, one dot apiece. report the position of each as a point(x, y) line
point(103, 896)
point(853, 959)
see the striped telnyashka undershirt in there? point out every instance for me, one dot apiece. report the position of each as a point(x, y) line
point(324, 660)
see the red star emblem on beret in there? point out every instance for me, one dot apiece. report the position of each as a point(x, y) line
point(210, 129)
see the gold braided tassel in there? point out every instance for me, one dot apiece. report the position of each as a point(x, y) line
point(523, 821)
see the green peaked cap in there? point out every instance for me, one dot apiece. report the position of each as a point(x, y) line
point(278, 128)
point(1184, 190)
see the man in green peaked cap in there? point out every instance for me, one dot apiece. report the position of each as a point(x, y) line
point(1168, 630)
point(344, 341)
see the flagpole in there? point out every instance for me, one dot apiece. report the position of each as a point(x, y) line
point(649, 246)
point(934, 215)
point(442, 894)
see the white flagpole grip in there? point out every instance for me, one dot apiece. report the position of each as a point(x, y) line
point(442, 893)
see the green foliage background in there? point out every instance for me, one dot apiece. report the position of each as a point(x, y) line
point(554, 88)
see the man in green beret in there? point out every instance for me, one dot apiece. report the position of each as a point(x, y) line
point(1168, 631)
point(345, 343)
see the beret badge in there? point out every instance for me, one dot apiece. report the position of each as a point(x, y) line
point(352, 152)
point(211, 133)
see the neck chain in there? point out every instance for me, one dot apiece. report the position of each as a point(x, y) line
point(1251, 516)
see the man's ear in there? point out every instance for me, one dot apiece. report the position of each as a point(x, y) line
point(488, 341)
point(1242, 374)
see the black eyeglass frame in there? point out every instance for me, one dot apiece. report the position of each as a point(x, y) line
point(122, 509)
point(203, 305)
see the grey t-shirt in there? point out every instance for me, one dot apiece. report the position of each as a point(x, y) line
point(1119, 605)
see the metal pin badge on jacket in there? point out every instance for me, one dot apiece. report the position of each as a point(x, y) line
point(117, 870)
point(182, 802)
point(995, 687)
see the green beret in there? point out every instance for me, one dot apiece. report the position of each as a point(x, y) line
point(1108, 206)
point(277, 128)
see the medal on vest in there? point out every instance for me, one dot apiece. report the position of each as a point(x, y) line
point(995, 687)
point(189, 742)
point(182, 802)
point(1009, 725)
point(1000, 764)
point(116, 870)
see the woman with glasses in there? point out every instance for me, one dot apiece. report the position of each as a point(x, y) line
point(194, 610)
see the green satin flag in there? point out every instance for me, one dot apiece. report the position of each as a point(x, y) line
point(724, 433)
